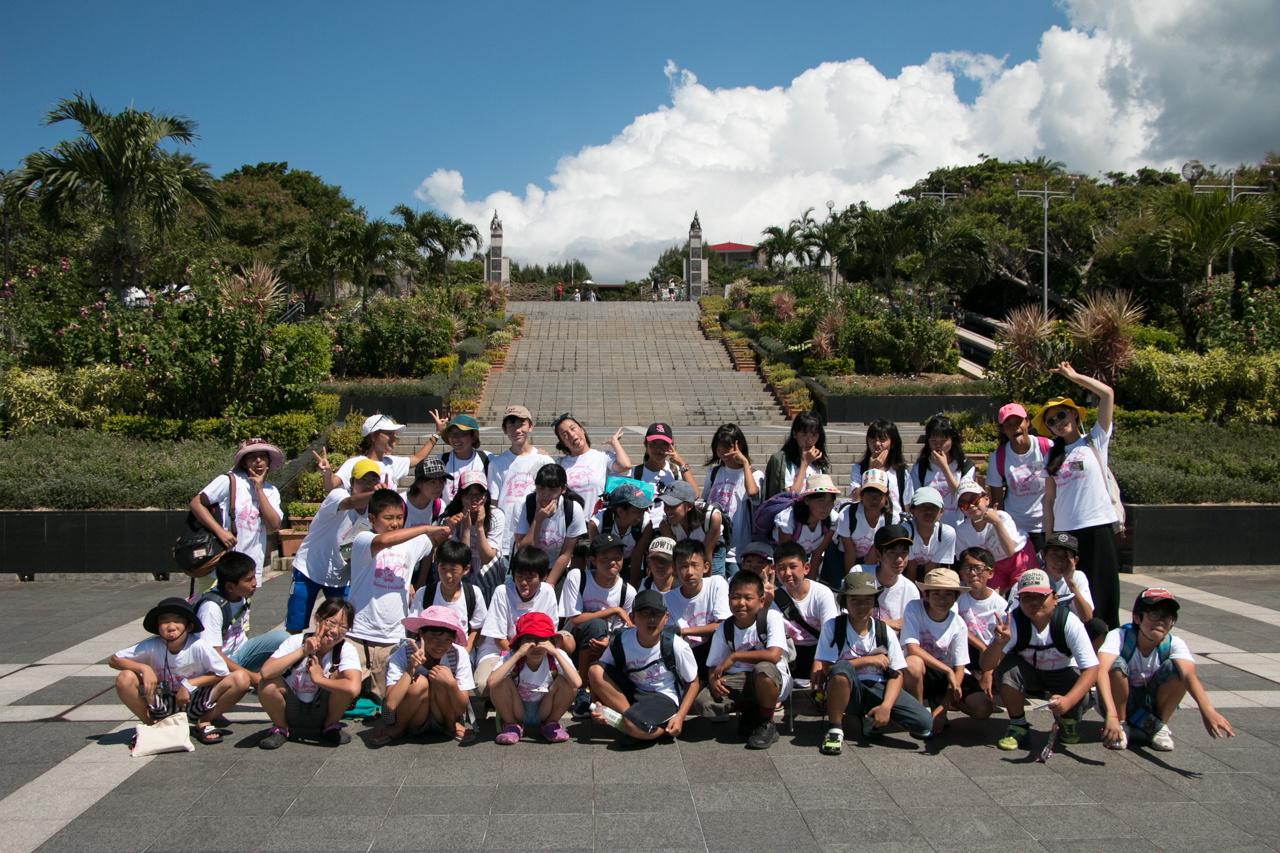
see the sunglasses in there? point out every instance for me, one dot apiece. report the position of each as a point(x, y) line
point(968, 501)
point(561, 419)
point(1054, 420)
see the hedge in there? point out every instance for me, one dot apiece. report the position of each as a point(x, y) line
point(434, 385)
point(291, 431)
point(1219, 386)
point(1186, 463)
point(84, 469)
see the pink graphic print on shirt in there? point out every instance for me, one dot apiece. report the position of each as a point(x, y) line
point(579, 478)
point(1073, 468)
point(248, 519)
point(390, 571)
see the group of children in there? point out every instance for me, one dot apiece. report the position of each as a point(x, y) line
point(472, 589)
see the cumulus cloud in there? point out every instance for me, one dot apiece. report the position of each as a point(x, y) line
point(1133, 83)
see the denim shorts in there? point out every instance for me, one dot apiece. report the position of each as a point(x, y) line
point(532, 718)
point(1144, 696)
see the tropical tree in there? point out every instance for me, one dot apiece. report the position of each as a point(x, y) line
point(780, 243)
point(948, 250)
point(318, 251)
point(437, 237)
point(368, 245)
point(877, 241)
point(826, 240)
point(119, 167)
point(454, 237)
point(422, 228)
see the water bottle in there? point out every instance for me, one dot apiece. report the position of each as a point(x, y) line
point(611, 716)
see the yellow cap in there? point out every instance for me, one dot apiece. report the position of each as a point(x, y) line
point(365, 467)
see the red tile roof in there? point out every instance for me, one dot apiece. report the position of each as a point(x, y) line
point(732, 247)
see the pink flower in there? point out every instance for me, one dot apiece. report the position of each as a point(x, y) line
point(66, 265)
point(213, 359)
point(84, 312)
point(58, 333)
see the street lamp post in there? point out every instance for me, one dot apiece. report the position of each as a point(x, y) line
point(831, 259)
point(1193, 170)
point(1045, 195)
point(942, 196)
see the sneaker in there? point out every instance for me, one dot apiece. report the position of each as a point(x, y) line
point(763, 737)
point(1017, 737)
point(802, 684)
point(336, 735)
point(869, 729)
point(1068, 731)
point(274, 739)
point(1162, 740)
point(833, 743)
point(581, 708)
point(1123, 743)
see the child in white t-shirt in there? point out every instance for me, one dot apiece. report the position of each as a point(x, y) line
point(699, 602)
point(626, 514)
point(511, 472)
point(810, 521)
point(552, 519)
point(980, 607)
point(734, 487)
point(1061, 555)
point(250, 505)
point(805, 604)
point(535, 684)
point(177, 672)
point(660, 573)
point(424, 503)
point(428, 679)
point(452, 590)
point(312, 679)
point(526, 592)
point(596, 605)
point(480, 526)
point(893, 544)
point(933, 542)
point(995, 530)
point(942, 465)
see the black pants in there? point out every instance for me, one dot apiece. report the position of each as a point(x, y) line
point(1100, 562)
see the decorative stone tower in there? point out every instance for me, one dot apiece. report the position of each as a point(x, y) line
point(695, 267)
point(498, 268)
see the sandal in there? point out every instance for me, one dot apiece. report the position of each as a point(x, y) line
point(463, 734)
point(382, 737)
point(208, 733)
point(553, 732)
point(510, 735)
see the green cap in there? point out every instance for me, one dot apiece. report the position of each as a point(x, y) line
point(859, 583)
point(463, 422)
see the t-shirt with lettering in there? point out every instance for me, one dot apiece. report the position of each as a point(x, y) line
point(319, 556)
point(251, 535)
point(710, 604)
point(196, 658)
point(594, 598)
point(980, 615)
point(893, 599)
point(859, 529)
point(936, 478)
point(900, 501)
point(809, 538)
point(586, 474)
point(393, 468)
point(859, 646)
point(457, 467)
point(459, 606)
point(510, 482)
point(380, 586)
point(1049, 658)
point(506, 607)
point(643, 665)
point(818, 605)
point(1023, 482)
point(299, 678)
point(948, 640)
point(1082, 500)
point(210, 616)
point(969, 537)
point(749, 640)
point(1143, 667)
point(726, 487)
point(940, 549)
point(552, 532)
point(456, 659)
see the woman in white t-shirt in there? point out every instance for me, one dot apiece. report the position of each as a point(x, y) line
point(256, 510)
point(884, 453)
point(552, 519)
point(942, 465)
point(1076, 499)
point(462, 434)
point(377, 440)
point(735, 488)
point(312, 679)
point(1015, 472)
point(588, 469)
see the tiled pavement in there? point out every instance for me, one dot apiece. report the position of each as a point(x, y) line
point(69, 785)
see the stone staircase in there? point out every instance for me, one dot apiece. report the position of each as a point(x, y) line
point(629, 363)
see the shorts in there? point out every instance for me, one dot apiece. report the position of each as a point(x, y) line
point(164, 704)
point(1015, 672)
point(592, 629)
point(302, 599)
point(742, 689)
point(1008, 570)
point(373, 664)
point(306, 716)
point(431, 726)
point(1142, 697)
point(936, 684)
point(532, 714)
point(648, 711)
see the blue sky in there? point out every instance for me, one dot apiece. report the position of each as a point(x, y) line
point(378, 97)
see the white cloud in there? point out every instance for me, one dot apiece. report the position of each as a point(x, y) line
point(1134, 83)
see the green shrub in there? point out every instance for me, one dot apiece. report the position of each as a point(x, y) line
point(760, 300)
point(768, 329)
point(907, 344)
point(392, 337)
point(1198, 463)
point(493, 324)
point(858, 386)
point(39, 398)
point(301, 509)
point(1149, 336)
point(774, 347)
point(1218, 386)
point(711, 305)
point(443, 366)
point(429, 386)
point(469, 346)
point(499, 340)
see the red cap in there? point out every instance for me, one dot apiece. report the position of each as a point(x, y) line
point(535, 624)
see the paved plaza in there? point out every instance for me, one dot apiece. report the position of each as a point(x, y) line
point(67, 782)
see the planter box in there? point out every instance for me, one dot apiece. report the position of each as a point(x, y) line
point(406, 410)
point(89, 541)
point(1204, 534)
point(290, 540)
point(914, 409)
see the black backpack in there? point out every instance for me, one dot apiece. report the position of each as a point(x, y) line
point(225, 606)
point(1057, 631)
point(468, 593)
point(607, 525)
point(791, 612)
point(762, 629)
point(840, 639)
point(484, 459)
point(531, 510)
point(666, 654)
point(965, 467)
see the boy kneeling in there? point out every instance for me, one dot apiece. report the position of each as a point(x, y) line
point(176, 672)
point(641, 673)
point(1149, 672)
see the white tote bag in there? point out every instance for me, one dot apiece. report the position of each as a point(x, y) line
point(172, 734)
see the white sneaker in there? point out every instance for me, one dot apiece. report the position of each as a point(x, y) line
point(1123, 743)
point(1162, 740)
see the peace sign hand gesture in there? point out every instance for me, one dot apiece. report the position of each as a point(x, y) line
point(1001, 633)
point(322, 459)
point(417, 655)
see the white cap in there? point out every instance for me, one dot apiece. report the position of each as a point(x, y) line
point(926, 495)
point(379, 423)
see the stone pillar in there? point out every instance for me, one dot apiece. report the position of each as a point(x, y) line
point(497, 267)
point(695, 266)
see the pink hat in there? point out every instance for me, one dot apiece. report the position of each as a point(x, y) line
point(436, 616)
point(1008, 410)
point(473, 478)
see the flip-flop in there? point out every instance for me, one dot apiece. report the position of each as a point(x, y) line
point(509, 735)
point(208, 734)
point(553, 732)
point(463, 734)
point(380, 738)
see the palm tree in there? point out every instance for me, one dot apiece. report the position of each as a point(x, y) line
point(119, 166)
point(423, 231)
point(370, 245)
point(454, 237)
point(877, 240)
point(440, 237)
point(780, 243)
point(319, 249)
point(948, 248)
point(826, 240)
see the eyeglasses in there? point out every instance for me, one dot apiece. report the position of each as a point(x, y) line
point(1054, 420)
point(336, 627)
point(976, 570)
point(1158, 618)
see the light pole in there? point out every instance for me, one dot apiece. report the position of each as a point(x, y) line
point(942, 196)
point(1193, 170)
point(1045, 195)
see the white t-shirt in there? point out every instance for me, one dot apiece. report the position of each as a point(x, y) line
point(893, 599)
point(594, 598)
point(940, 549)
point(698, 532)
point(197, 658)
point(980, 616)
point(1049, 658)
point(627, 536)
point(532, 684)
point(1023, 486)
point(510, 481)
point(505, 608)
point(299, 680)
point(393, 468)
point(748, 640)
point(934, 477)
point(428, 515)
point(1142, 667)
point(863, 532)
point(1082, 500)
point(251, 535)
point(380, 586)
point(816, 608)
point(948, 640)
point(460, 606)
point(456, 659)
point(859, 646)
point(210, 616)
point(319, 557)
point(968, 537)
point(730, 492)
point(644, 665)
point(497, 532)
point(586, 474)
point(665, 476)
point(552, 532)
point(900, 502)
point(457, 467)
point(809, 539)
point(711, 604)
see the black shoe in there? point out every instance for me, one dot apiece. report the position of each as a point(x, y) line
point(337, 737)
point(763, 737)
point(749, 720)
